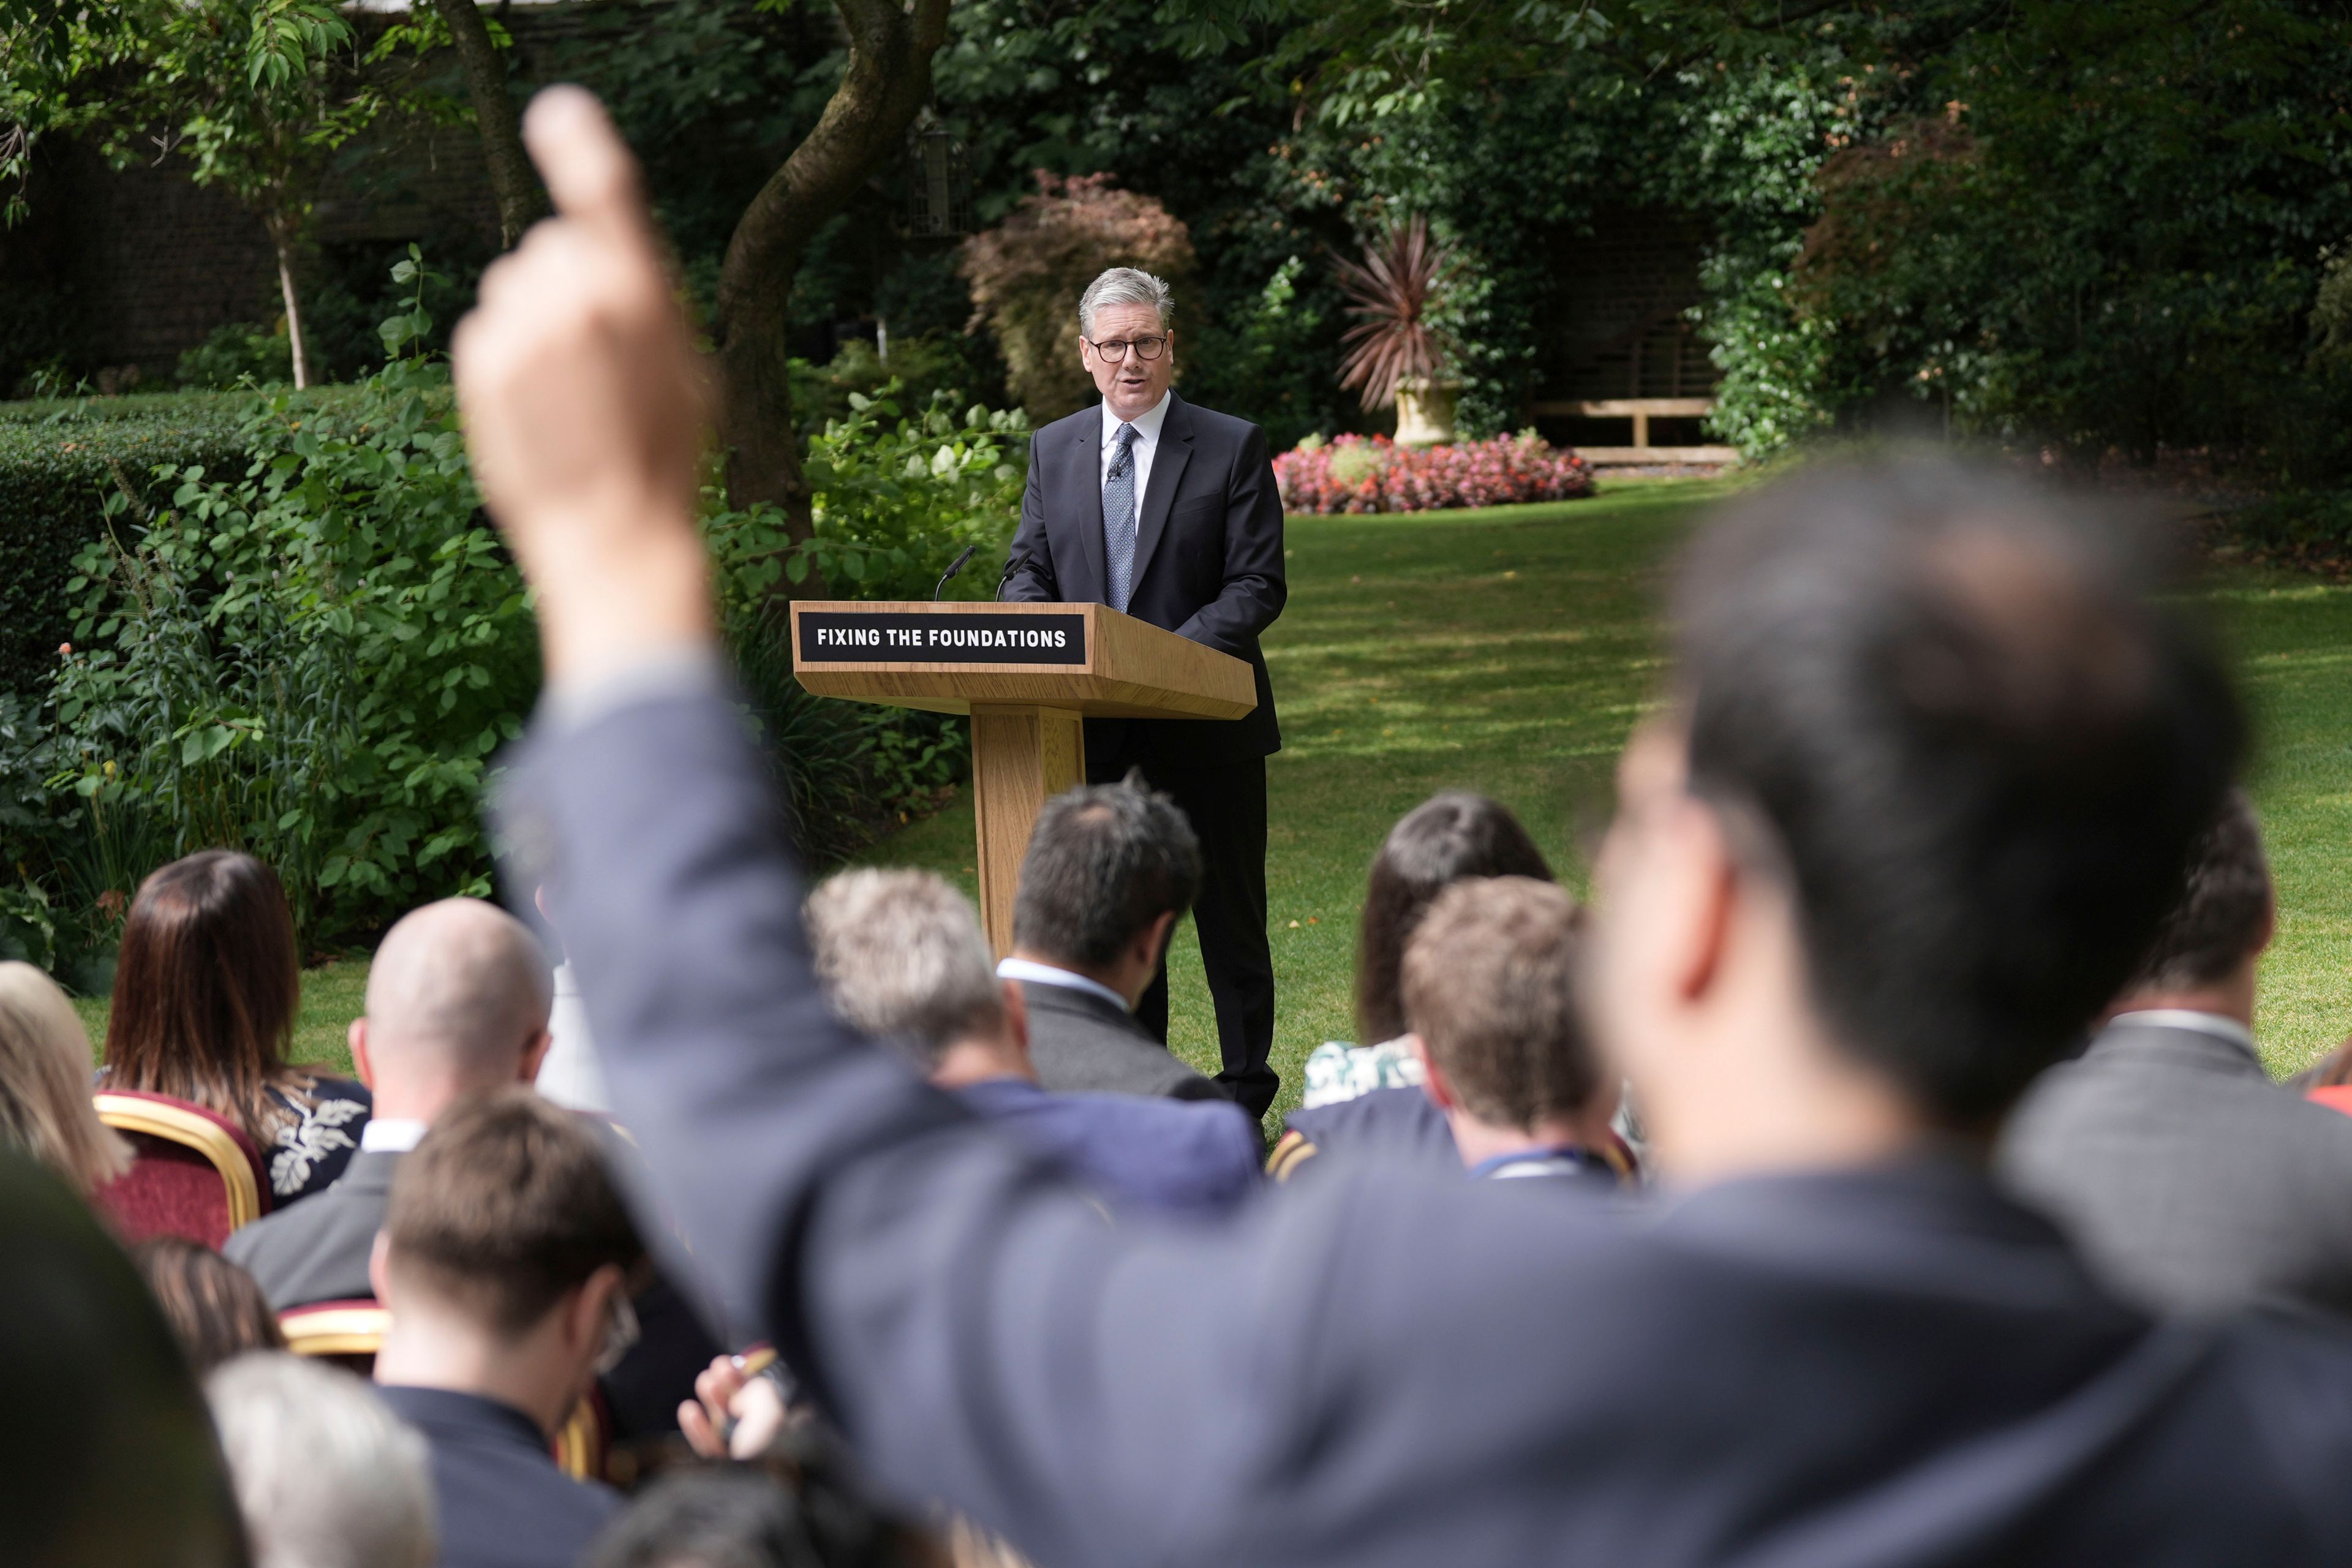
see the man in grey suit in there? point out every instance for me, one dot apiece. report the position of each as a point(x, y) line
point(457, 1000)
point(2192, 1181)
point(1109, 871)
point(1914, 808)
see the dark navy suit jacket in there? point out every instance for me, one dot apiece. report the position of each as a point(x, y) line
point(1140, 1152)
point(1884, 1366)
point(1208, 542)
point(502, 1502)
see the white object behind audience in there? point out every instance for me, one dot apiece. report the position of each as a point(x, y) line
point(570, 1074)
point(325, 1475)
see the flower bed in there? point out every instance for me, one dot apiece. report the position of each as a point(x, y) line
point(1356, 474)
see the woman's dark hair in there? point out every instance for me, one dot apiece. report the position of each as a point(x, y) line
point(1437, 843)
point(206, 988)
point(216, 1310)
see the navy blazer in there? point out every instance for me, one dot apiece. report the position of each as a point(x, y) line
point(1140, 1151)
point(1892, 1365)
point(501, 1501)
point(1208, 542)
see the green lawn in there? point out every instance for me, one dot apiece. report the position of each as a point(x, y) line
point(1510, 651)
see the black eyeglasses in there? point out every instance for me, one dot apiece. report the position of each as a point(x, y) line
point(1116, 350)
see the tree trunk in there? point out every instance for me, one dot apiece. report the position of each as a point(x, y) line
point(522, 203)
point(281, 239)
point(889, 78)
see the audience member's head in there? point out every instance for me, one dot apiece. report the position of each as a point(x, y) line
point(902, 957)
point(458, 997)
point(1436, 843)
point(1490, 993)
point(2206, 950)
point(506, 1258)
point(326, 1476)
point(1110, 869)
point(106, 1455)
point(216, 1310)
point(45, 1104)
point(740, 1516)
point(206, 988)
point(1935, 761)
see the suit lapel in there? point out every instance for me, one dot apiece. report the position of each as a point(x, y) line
point(1167, 471)
point(1081, 478)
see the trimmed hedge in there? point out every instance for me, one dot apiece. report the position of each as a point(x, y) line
point(58, 462)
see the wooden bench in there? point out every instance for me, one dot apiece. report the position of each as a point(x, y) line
point(1640, 411)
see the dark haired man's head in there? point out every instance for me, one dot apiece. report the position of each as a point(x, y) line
point(1436, 843)
point(1490, 991)
point(1111, 868)
point(740, 1516)
point(506, 1258)
point(1935, 761)
point(2206, 950)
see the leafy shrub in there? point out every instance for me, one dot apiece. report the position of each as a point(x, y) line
point(237, 354)
point(918, 367)
point(1356, 474)
point(1027, 274)
point(58, 462)
point(313, 662)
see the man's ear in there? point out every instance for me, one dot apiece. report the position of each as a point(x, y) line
point(380, 1269)
point(1433, 1077)
point(1153, 941)
point(1707, 891)
point(533, 1054)
point(357, 1036)
point(586, 1310)
point(1016, 1014)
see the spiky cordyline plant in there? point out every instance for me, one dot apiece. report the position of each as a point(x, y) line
point(1391, 291)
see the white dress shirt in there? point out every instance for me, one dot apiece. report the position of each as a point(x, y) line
point(395, 1136)
point(570, 1074)
point(1046, 974)
point(1147, 443)
point(2215, 1024)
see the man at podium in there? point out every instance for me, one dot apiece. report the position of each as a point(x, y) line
point(1169, 513)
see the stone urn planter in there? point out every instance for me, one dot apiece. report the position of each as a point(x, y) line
point(1424, 410)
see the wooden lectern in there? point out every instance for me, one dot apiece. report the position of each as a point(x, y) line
point(1027, 674)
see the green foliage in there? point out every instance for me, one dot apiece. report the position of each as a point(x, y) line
point(237, 354)
point(313, 662)
point(897, 499)
point(58, 462)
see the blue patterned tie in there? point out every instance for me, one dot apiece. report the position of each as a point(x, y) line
point(1119, 518)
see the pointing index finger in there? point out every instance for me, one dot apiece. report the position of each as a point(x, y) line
point(592, 179)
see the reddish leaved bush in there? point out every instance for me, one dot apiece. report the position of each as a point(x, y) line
point(1354, 474)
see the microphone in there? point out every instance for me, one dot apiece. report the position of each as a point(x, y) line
point(969, 552)
point(1018, 558)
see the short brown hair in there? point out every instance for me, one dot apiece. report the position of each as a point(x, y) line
point(504, 1206)
point(2224, 912)
point(1490, 987)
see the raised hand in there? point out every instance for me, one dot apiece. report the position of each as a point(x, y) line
point(584, 407)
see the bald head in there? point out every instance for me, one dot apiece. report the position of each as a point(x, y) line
point(456, 1002)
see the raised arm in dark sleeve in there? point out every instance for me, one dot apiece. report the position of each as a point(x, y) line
point(1029, 576)
point(978, 1329)
point(1254, 588)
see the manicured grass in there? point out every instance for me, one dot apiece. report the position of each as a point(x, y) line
point(1508, 651)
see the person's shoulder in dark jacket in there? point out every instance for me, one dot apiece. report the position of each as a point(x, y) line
point(1170, 1156)
point(1223, 426)
point(501, 1500)
point(1394, 1123)
point(1081, 1043)
point(317, 1250)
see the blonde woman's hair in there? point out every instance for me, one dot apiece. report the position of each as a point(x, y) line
point(44, 1082)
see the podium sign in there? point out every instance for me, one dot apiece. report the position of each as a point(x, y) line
point(1027, 675)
